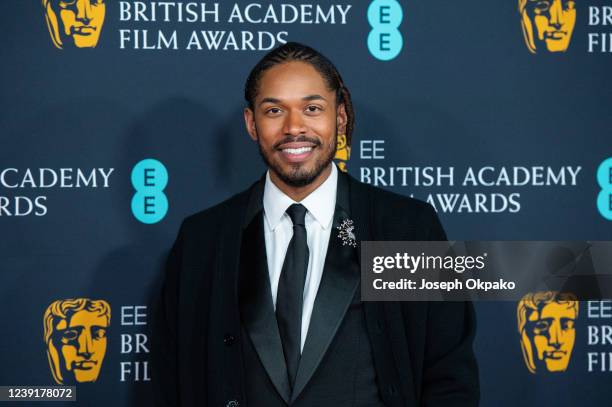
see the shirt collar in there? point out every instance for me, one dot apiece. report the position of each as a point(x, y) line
point(320, 203)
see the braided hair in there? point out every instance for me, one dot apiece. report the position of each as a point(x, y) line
point(293, 51)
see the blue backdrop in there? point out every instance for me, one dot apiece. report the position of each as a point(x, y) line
point(449, 96)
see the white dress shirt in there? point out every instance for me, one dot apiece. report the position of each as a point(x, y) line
point(278, 230)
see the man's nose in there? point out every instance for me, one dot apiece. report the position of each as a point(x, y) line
point(84, 10)
point(85, 345)
point(294, 124)
point(556, 14)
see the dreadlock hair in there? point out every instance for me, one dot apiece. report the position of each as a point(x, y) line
point(293, 51)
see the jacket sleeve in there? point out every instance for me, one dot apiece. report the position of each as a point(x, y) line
point(164, 375)
point(450, 371)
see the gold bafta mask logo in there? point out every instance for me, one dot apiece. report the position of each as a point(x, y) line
point(546, 328)
point(75, 23)
point(75, 335)
point(343, 152)
point(547, 24)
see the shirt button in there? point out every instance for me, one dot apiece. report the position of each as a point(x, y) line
point(232, 403)
point(229, 340)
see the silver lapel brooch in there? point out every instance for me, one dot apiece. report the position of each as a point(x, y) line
point(346, 233)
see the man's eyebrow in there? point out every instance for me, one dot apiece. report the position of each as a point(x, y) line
point(313, 97)
point(269, 100)
point(305, 98)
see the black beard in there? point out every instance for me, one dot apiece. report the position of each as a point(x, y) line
point(298, 177)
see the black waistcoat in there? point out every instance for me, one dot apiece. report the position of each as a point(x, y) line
point(337, 367)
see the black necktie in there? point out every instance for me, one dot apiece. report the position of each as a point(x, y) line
point(290, 293)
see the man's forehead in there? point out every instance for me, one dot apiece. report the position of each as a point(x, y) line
point(292, 81)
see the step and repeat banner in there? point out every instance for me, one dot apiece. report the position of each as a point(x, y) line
point(120, 118)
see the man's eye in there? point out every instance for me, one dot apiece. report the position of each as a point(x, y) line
point(273, 110)
point(313, 108)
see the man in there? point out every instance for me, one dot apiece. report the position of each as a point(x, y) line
point(261, 305)
point(546, 327)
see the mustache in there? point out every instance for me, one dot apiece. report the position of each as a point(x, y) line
point(291, 139)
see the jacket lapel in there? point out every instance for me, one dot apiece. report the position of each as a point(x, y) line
point(337, 288)
point(256, 306)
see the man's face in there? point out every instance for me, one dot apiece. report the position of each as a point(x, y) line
point(76, 21)
point(548, 23)
point(81, 342)
point(553, 335)
point(295, 122)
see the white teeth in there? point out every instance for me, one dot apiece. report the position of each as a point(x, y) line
point(300, 150)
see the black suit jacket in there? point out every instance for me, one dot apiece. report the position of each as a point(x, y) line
point(422, 351)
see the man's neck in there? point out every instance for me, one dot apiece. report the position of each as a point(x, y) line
point(299, 193)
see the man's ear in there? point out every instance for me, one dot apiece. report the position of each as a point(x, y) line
point(341, 119)
point(249, 122)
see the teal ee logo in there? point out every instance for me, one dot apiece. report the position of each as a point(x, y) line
point(604, 179)
point(385, 41)
point(149, 203)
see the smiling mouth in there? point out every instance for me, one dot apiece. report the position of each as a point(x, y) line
point(296, 151)
point(296, 155)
